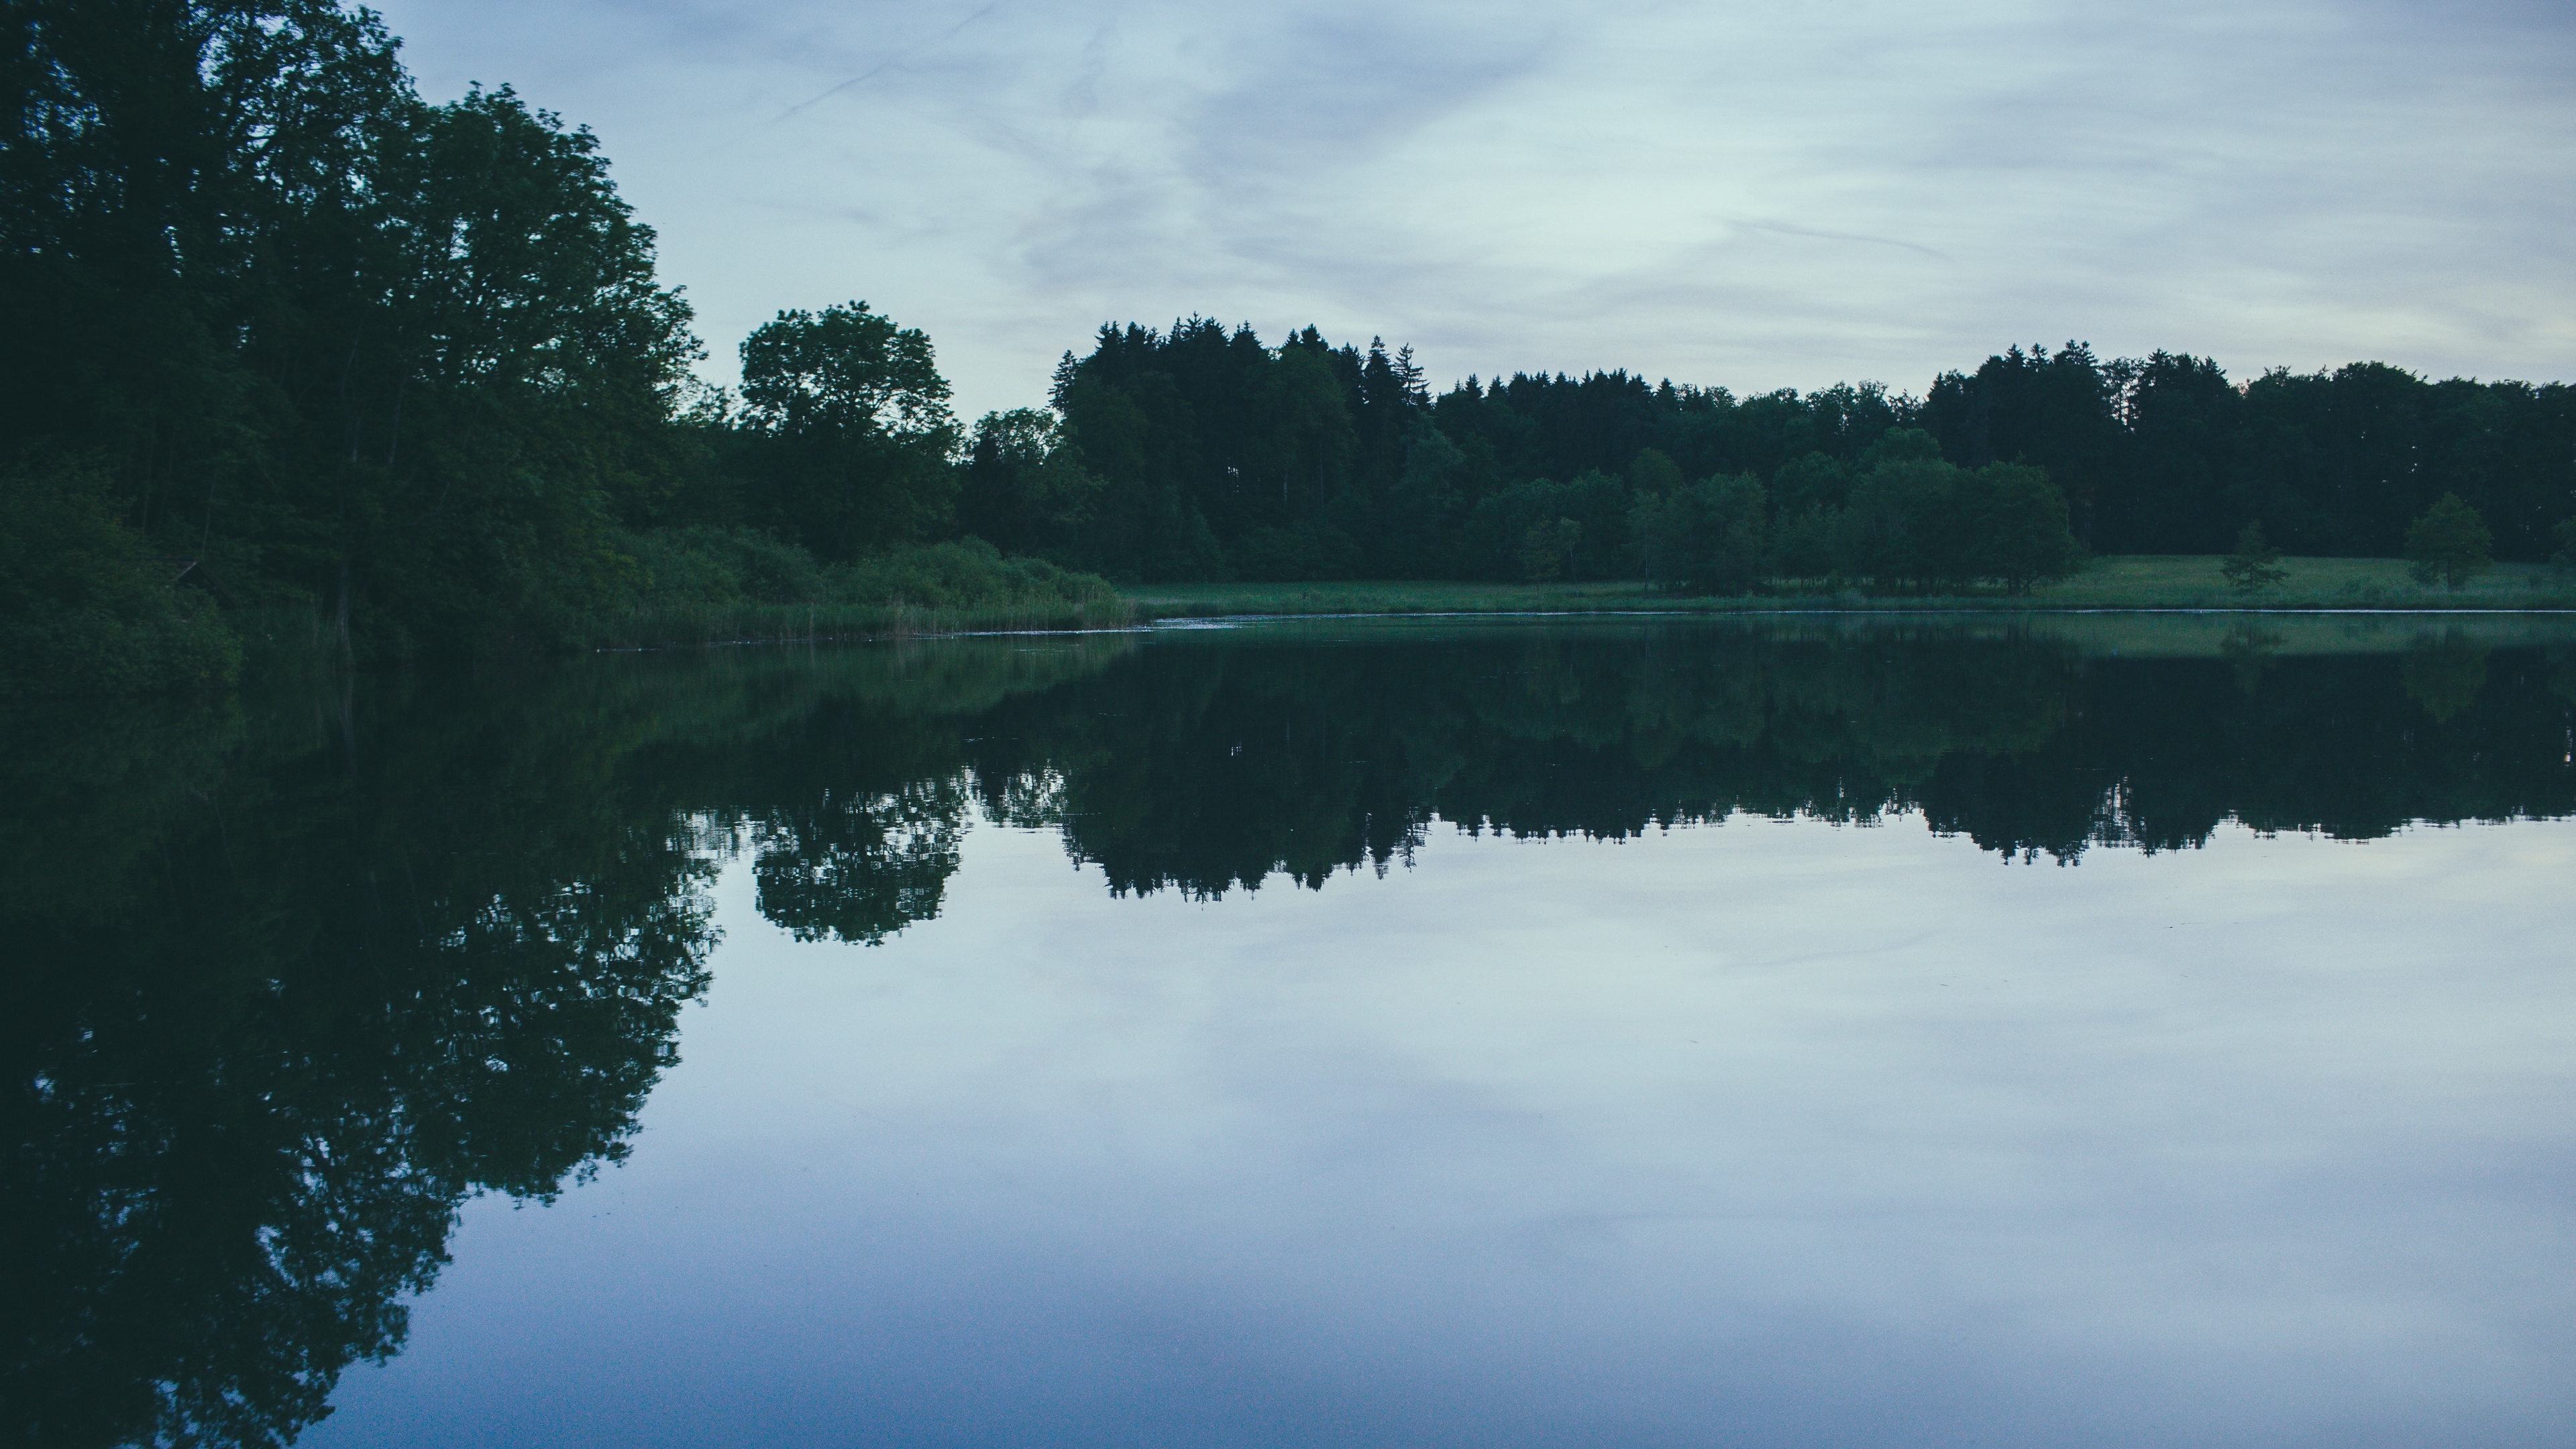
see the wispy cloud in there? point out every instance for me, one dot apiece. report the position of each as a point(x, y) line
point(1736, 194)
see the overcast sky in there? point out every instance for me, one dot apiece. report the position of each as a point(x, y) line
point(1752, 196)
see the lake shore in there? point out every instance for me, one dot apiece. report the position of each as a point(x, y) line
point(2190, 582)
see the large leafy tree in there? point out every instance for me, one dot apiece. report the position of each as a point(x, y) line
point(328, 342)
point(2013, 527)
point(859, 431)
point(2450, 543)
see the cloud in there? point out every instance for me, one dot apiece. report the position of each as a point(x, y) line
point(1752, 196)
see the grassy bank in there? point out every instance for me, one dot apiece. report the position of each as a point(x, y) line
point(2099, 633)
point(2125, 582)
point(710, 586)
point(818, 623)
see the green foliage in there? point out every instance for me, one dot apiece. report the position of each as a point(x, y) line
point(2256, 565)
point(1707, 536)
point(967, 574)
point(1815, 481)
point(407, 369)
point(1548, 549)
point(406, 362)
point(703, 584)
point(2450, 543)
point(1914, 521)
point(844, 371)
point(1654, 474)
point(703, 566)
point(2012, 527)
point(84, 607)
point(1802, 546)
point(1893, 533)
point(1428, 499)
point(854, 418)
point(2142, 452)
point(1024, 489)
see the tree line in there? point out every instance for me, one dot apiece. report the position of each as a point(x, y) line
point(290, 349)
point(284, 339)
point(1200, 452)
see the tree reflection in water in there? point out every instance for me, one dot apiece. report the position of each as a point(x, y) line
point(292, 982)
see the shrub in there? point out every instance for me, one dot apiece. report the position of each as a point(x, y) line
point(967, 574)
point(702, 567)
point(88, 609)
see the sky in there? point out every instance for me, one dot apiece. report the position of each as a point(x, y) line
point(1747, 196)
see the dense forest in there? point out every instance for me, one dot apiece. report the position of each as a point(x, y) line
point(1204, 454)
point(291, 350)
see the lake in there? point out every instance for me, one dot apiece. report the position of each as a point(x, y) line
point(2091, 1030)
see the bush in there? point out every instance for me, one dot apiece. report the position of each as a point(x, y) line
point(88, 609)
point(968, 574)
point(703, 567)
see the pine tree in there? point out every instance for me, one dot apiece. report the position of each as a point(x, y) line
point(2256, 565)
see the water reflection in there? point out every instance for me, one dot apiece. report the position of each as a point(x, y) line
point(294, 980)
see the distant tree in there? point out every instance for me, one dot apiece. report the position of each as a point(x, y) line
point(1024, 488)
point(2057, 410)
point(2256, 565)
point(1898, 528)
point(1424, 504)
point(2450, 542)
point(1717, 525)
point(1802, 545)
point(1548, 550)
point(859, 417)
point(2013, 527)
point(1655, 533)
point(1814, 481)
point(1654, 472)
point(2565, 535)
point(843, 370)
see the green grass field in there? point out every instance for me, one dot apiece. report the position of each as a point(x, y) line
point(2124, 582)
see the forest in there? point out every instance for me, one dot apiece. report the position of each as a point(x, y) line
point(295, 353)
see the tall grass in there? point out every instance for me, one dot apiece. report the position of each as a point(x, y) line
point(709, 586)
point(816, 623)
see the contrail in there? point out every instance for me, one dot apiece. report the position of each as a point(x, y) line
point(892, 60)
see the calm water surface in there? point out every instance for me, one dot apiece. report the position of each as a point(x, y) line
point(2092, 1032)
